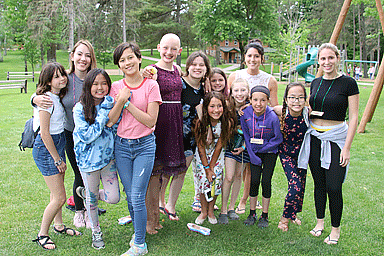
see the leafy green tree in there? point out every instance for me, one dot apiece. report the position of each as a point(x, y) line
point(236, 20)
point(31, 52)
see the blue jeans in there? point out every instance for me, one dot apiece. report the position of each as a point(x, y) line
point(134, 160)
point(43, 159)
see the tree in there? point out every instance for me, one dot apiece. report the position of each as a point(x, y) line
point(237, 20)
point(31, 53)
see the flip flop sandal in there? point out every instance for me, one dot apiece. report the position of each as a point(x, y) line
point(331, 241)
point(196, 207)
point(162, 210)
point(202, 230)
point(65, 231)
point(47, 240)
point(173, 215)
point(317, 232)
point(240, 211)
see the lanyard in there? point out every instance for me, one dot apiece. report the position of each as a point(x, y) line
point(253, 123)
point(74, 93)
point(322, 103)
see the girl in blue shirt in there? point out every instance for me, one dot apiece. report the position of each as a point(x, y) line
point(94, 139)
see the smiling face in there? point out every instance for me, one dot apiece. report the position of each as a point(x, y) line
point(328, 61)
point(169, 48)
point(253, 58)
point(81, 58)
point(197, 69)
point(217, 82)
point(295, 100)
point(259, 102)
point(129, 64)
point(58, 82)
point(240, 93)
point(215, 109)
point(99, 88)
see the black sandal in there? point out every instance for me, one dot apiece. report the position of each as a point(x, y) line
point(65, 231)
point(46, 241)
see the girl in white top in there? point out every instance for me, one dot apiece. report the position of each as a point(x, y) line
point(254, 57)
point(48, 150)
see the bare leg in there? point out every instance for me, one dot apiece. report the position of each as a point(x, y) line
point(55, 184)
point(152, 204)
point(252, 202)
point(266, 202)
point(247, 184)
point(211, 208)
point(164, 184)
point(236, 185)
point(230, 169)
point(174, 192)
point(204, 207)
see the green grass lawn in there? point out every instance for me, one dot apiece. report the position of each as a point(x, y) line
point(25, 196)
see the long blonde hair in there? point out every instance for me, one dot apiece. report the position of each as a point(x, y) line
point(91, 51)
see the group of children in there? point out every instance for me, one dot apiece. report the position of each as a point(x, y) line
point(150, 126)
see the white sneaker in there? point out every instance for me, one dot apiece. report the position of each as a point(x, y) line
point(136, 250)
point(78, 219)
point(97, 240)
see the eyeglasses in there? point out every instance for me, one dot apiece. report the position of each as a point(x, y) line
point(293, 99)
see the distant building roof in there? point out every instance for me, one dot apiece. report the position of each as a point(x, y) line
point(229, 48)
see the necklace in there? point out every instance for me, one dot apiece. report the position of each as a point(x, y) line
point(56, 93)
point(322, 103)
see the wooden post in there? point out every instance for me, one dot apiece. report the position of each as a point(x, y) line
point(377, 86)
point(338, 27)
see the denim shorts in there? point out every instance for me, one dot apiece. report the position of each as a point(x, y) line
point(43, 159)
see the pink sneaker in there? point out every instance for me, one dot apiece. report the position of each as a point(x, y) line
point(86, 220)
point(78, 219)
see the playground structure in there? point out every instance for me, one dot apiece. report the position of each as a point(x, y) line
point(310, 60)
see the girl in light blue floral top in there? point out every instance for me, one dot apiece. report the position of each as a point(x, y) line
point(94, 136)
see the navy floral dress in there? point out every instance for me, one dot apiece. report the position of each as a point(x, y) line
point(294, 128)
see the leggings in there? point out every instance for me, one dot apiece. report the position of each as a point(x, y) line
point(78, 182)
point(110, 194)
point(327, 181)
point(268, 165)
point(296, 186)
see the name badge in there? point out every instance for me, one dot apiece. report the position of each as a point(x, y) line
point(257, 141)
point(317, 113)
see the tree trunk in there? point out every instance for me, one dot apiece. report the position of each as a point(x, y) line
point(354, 34)
point(71, 21)
point(363, 44)
point(51, 52)
point(241, 47)
point(217, 55)
point(124, 28)
point(42, 53)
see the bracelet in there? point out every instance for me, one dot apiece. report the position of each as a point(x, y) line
point(58, 163)
point(243, 147)
point(126, 104)
point(206, 167)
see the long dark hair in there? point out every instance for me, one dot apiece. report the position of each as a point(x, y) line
point(256, 44)
point(284, 109)
point(219, 71)
point(86, 98)
point(226, 119)
point(46, 76)
point(207, 64)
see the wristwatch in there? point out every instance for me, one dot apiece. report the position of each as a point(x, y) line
point(57, 163)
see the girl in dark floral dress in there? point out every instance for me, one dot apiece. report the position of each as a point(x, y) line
point(294, 124)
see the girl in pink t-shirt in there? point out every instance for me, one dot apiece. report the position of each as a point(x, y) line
point(135, 142)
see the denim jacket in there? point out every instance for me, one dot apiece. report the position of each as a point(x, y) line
point(94, 143)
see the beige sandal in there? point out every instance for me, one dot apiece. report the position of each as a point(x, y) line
point(283, 224)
